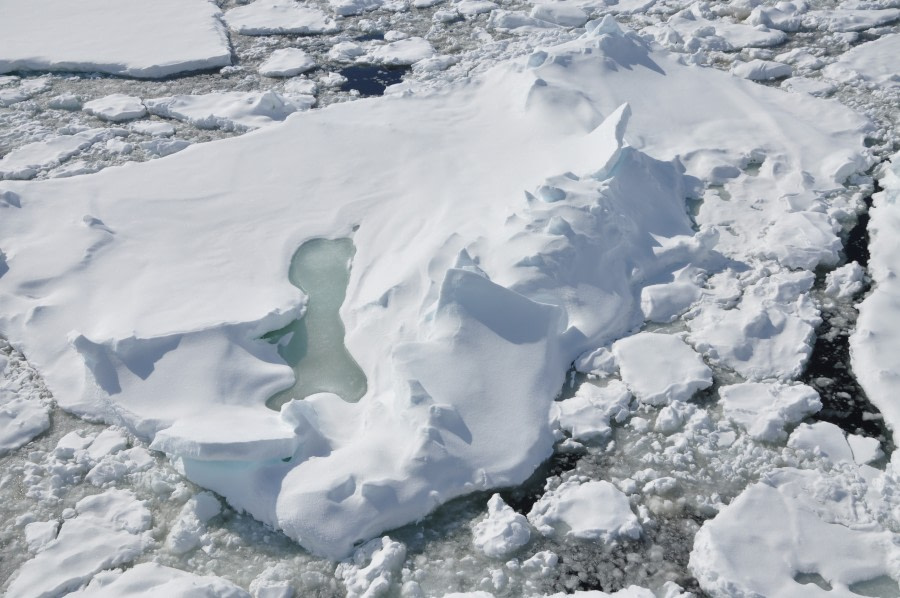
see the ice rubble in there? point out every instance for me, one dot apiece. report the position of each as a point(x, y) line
point(227, 110)
point(476, 280)
point(135, 39)
point(586, 510)
point(151, 579)
point(502, 532)
point(875, 344)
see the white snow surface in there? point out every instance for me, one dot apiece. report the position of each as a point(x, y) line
point(135, 39)
point(484, 266)
point(660, 368)
point(875, 344)
point(586, 510)
point(272, 17)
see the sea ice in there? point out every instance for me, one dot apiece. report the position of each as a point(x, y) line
point(565, 13)
point(764, 409)
point(25, 162)
point(502, 532)
point(109, 530)
point(873, 62)
point(586, 510)
point(875, 344)
point(135, 39)
point(117, 107)
point(588, 414)
point(805, 524)
point(287, 62)
point(484, 266)
point(152, 579)
point(402, 52)
point(659, 368)
point(762, 70)
point(824, 439)
point(21, 419)
point(227, 110)
point(273, 17)
point(843, 20)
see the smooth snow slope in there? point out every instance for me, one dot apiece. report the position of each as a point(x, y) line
point(126, 37)
point(503, 230)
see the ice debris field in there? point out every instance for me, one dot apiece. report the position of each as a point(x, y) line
point(391, 298)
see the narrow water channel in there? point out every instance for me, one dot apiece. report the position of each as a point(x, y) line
point(314, 344)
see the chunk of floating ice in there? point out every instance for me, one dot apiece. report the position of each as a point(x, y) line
point(287, 62)
point(875, 344)
point(401, 53)
point(273, 17)
point(843, 20)
point(152, 579)
point(117, 107)
point(375, 566)
point(109, 530)
point(586, 511)
point(21, 419)
point(26, 161)
point(871, 62)
point(659, 368)
point(566, 14)
point(804, 523)
point(502, 532)
point(587, 415)
point(762, 70)
point(824, 439)
point(227, 110)
point(137, 40)
point(764, 409)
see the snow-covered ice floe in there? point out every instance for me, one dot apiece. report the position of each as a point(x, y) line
point(875, 344)
point(484, 266)
point(272, 17)
point(131, 38)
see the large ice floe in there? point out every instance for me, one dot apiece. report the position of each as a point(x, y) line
point(503, 228)
point(135, 39)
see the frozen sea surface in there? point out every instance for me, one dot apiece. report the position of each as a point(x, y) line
point(697, 256)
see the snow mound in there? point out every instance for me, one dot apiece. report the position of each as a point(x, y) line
point(135, 39)
point(227, 110)
point(764, 409)
point(274, 17)
point(660, 368)
point(502, 532)
point(808, 534)
point(587, 511)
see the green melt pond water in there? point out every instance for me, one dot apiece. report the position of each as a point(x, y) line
point(314, 344)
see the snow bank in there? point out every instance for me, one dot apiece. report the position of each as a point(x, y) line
point(484, 265)
point(875, 344)
point(273, 17)
point(807, 531)
point(136, 39)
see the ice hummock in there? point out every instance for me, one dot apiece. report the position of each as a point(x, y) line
point(133, 39)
